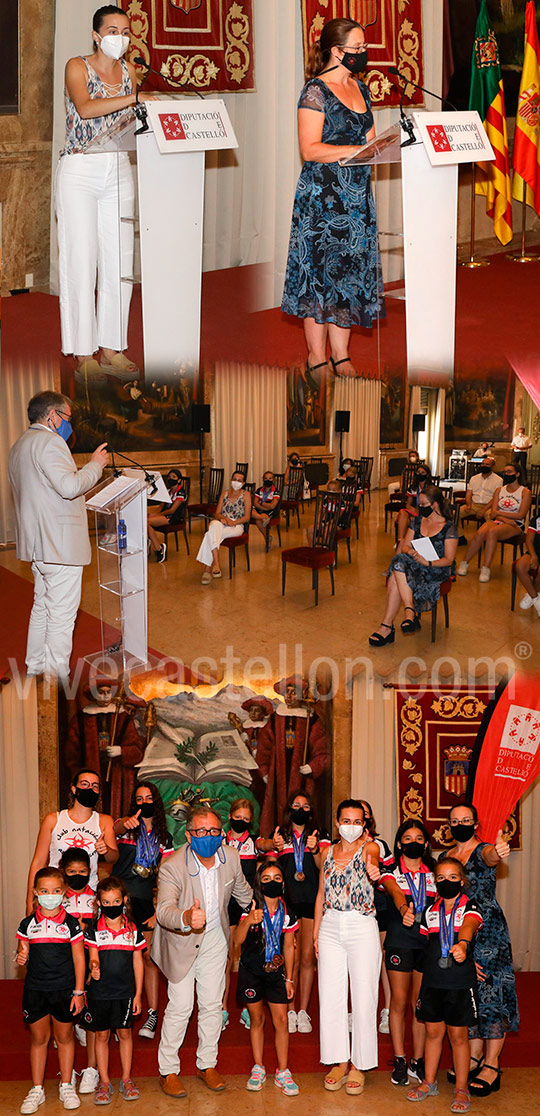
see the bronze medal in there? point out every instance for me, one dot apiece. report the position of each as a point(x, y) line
point(300, 876)
point(277, 961)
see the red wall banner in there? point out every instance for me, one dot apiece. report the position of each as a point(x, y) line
point(435, 737)
point(394, 34)
point(195, 44)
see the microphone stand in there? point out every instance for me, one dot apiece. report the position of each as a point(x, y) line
point(147, 476)
point(405, 122)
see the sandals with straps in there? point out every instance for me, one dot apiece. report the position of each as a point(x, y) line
point(413, 625)
point(461, 1105)
point(377, 640)
point(346, 360)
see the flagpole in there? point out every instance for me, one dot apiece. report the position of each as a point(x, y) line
point(471, 262)
point(523, 258)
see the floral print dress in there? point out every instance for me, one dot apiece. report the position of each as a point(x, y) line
point(497, 999)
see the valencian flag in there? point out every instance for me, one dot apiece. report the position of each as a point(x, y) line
point(526, 154)
point(506, 757)
point(487, 97)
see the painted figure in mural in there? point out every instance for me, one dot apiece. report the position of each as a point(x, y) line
point(104, 736)
point(293, 752)
point(258, 710)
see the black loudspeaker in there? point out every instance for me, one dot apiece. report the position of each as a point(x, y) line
point(418, 423)
point(342, 422)
point(200, 418)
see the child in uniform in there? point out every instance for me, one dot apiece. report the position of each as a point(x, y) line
point(266, 934)
point(114, 993)
point(51, 944)
point(79, 899)
point(447, 1000)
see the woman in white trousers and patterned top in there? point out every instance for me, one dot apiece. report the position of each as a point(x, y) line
point(93, 192)
point(232, 514)
point(347, 944)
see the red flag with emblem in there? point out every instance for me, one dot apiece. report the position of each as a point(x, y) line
point(526, 154)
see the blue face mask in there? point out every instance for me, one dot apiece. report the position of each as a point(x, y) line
point(206, 846)
point(65, 430)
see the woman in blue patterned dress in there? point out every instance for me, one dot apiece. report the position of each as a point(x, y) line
point(333, 278)
point(497, 1000)
point(93, 192)
point(414, 582)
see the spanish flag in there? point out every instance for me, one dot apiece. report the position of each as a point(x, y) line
point(526, 154)
point(487, 97)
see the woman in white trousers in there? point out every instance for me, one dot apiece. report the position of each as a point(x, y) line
point(94, 193)
point(347, 944)
point(232, 514)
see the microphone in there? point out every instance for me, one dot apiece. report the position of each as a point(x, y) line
point(139, 60)
point(147, 476)
point(116, 471)
point(397, 73)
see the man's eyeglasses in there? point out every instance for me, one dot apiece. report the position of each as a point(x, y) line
point(205, 832)
point(67, 415)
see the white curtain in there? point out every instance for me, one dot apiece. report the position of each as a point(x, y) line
point(19, 810)
point(19, 381)
point(435, 432)
point(363, 399)
point(250, 418)
point(374, 777)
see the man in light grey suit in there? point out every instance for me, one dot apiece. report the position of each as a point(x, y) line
point(191, 941)
point(51, 527)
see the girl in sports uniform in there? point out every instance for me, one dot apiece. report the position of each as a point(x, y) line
point(240, 837)
point(50, 943)
point(79, 900)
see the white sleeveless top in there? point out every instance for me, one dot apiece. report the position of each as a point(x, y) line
point(68, 834)
point(511, 502)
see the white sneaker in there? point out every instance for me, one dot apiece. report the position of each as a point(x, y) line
point(80, 1034)
point(303, 1023)
point(89, 1080)
point(384, 1025)
point(33, 1099)
point(292, 1020)
point(68, 1096)
point(149, 1029)
point(526, 602)
point(463, 569)
point(485, 574)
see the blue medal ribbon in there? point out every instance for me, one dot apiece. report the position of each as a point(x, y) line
point(273, 928)
point(148, 845)
point(418, 894)
point(299, 845)
point(446, 927)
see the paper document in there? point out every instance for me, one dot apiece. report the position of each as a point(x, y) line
point(116, 487)
point(161, 493)
point(425, 547)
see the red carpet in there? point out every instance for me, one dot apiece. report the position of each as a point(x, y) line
point(235, 1050)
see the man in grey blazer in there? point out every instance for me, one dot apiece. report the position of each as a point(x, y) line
point(51, 527)
point(191, 940)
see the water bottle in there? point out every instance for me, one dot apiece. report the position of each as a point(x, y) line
point(122, 535)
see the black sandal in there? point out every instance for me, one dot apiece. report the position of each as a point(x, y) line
point(313, 367)
point(414, 625)
point(451, 1074)
point(345, 360)
point(484, 1088)
point(377, 640)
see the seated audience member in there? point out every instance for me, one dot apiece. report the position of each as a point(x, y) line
point(332, 486)
point(527, 565)
point(481, 452)
point(293, 462)
point(413, 458)
point(232, 514)
point(265, 502)
point(481, 490)
point(422, 477)
point(509, 506)
point(172, 514)
point(415, 581)
point(347, 474)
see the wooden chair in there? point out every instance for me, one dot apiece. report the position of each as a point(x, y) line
point(348, 497)
point(533, 479)
point(208, 506)
point(242, 467)
point(275, 519)
point(295, 489)
point(445, 591)
point(397, 500)
point(516, 541)
point(231, 544)
point(322, 554)
point(365, 471)
point(180, 524)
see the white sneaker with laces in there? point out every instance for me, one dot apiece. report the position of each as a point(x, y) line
point(89, 1080)
point(80, 1034)
point(68, 1096)
point(284, 1081)
point(463, 569)
point(485, 574)
point(526, 602)
point(33, 1099)
point(292, 1020)
point(303, 1023)
point(149, 1029)
point(384, 1026)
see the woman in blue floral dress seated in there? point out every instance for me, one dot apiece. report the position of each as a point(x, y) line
point(414, 581)
point(333, 278)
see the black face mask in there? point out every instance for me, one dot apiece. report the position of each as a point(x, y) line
point(424, 510)
point(509, 478)
point(238, 825)
point(414, 849)
point(112, 911)
point(461, 832)
point(355, 62)
point(485, 470)
point(273, 889)
point(448, 889)
point(301, 816)
point(267, 483)
point(421, 478)
point(77, 880)
point(146, 809)
point(86, 797)
point(295, 461)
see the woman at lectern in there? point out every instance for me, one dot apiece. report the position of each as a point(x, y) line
point(93, 192)
point(333, 278)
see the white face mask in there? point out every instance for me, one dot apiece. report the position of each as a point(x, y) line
point(114, 46)
point(350, 833)
point(50, 902)
point(236, 485)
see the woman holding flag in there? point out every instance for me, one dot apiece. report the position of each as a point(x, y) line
point(497, 1000)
